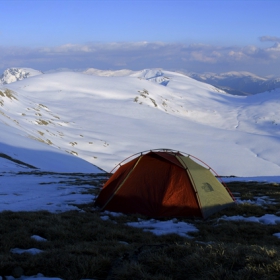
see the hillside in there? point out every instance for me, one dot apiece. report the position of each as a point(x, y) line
point(98, 119)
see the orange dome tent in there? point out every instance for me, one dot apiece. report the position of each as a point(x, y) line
point(164, 183)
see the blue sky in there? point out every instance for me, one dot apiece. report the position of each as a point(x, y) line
point(194, 36)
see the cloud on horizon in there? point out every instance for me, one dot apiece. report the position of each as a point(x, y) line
point(269, 39)
point(139, 55)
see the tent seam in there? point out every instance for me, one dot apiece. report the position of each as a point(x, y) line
point(194, 185)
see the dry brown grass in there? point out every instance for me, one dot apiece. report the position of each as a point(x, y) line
point(82, 245)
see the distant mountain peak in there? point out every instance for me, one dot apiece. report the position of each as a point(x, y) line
point(238, 83)
point(154, 75)
point(242, 74)
point(14, 74)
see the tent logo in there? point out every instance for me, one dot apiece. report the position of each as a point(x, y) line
point(207, 187)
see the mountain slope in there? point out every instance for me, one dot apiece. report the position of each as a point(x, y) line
point(19, 152)
point(102, 119)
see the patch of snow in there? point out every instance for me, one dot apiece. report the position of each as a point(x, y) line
point(277, 234)
point(104, 217)
point(113, 214)
point(38, 238)
point(260, 201)
point(39, 276)
point(35, 192)
point(32, 251)
point(165, 227)
point(267, 219)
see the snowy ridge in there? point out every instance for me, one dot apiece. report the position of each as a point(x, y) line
point(99, 120)
point(12, 75)
point(107, 73)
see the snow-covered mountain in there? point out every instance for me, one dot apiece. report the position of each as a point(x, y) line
point(238, 83)
point(73, 122)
